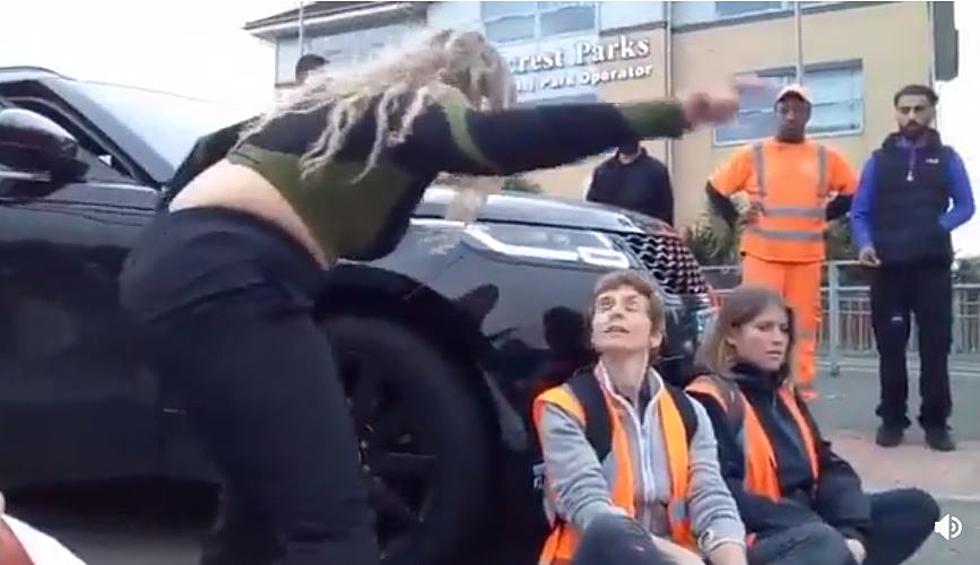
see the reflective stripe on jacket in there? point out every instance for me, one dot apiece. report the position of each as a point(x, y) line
point(761, 466)
point(793, 220)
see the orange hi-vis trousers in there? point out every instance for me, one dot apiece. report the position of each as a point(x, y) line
point(799, 284)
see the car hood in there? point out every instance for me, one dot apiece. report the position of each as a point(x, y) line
point(553, 211)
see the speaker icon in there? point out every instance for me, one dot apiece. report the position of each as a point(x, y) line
point(949, 527)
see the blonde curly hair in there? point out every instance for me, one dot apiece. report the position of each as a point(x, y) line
point(460, 67)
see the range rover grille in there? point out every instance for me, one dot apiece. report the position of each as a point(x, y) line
point(670, 262)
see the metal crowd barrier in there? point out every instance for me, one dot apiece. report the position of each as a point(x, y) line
point(846, 328)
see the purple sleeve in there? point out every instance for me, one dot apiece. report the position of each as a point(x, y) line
point(861, 206)
point(961, 193)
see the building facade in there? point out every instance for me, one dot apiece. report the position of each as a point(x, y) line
point(855, 55)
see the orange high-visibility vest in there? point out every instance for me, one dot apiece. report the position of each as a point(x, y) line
point(560, 546)
point(761, 467)
point(793, 220)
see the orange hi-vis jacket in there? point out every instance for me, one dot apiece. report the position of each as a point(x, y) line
point(794, 183)
point(761, 467)
point(560, 546)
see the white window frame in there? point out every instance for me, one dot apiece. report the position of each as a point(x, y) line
point(783, 5)
point(789, 71)
point(537, 13)
point(713, 16)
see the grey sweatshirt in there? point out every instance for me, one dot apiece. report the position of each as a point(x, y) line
point(579, 482)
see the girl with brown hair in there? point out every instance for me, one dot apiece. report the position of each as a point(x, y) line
point(800, 502)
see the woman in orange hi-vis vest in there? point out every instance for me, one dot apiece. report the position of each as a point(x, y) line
point(628, 459)
point(795, 187)
point(793, 492)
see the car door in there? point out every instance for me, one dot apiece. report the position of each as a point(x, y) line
point(75, 403)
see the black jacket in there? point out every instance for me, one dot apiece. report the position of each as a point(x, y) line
point(912, 188)
point(642, 186)
point(837, 498)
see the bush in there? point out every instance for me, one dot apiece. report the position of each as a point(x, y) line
point(520, 184)
point(712, 242)
point(840, 245)
point(968, 270)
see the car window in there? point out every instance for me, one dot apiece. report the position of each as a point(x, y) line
point(169, 123)
point(103, 165)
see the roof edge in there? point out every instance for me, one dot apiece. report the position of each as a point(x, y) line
point(323, 14)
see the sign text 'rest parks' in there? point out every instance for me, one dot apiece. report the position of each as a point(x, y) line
point(582, 53)
point(554, 68)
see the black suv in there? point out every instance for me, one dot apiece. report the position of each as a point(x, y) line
point(442, 344)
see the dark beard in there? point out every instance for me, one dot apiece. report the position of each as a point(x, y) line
point(913, 130)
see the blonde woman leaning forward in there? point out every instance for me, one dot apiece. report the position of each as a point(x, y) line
point(224, 282)
point(630, 462)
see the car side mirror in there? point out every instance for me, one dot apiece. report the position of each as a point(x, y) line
point(32, 143)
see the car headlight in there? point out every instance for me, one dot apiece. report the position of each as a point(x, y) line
point(706, 319)
point(549, 244)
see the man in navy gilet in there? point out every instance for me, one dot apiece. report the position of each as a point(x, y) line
point(902, 220)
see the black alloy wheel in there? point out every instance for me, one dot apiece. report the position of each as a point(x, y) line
point(423, 437)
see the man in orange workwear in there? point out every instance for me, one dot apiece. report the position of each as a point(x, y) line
point(794, 186)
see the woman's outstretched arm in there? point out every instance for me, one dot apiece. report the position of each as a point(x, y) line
point(455, 139)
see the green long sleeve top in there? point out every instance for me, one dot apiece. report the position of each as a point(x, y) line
point(364, 218)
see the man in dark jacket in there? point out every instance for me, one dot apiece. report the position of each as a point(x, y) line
point(901, 221)
point(634, 180)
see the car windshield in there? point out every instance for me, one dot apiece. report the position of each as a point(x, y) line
point(169, 123)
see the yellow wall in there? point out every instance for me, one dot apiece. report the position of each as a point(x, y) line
point(892, 41)
point(570, 181)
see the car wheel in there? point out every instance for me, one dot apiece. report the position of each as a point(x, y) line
point(424, 439)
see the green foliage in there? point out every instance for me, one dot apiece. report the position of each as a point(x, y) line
point(514, 183)
point(518, 183)
point(712, 242)
point(968, 270)
point(840, 244)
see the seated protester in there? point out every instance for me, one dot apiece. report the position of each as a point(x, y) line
point(791, 489)
point(624, 450)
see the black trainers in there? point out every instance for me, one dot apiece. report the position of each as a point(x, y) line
point(889, 436)
point(939, 439)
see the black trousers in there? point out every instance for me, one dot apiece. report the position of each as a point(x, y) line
point(617, 539)
point(897, 293)
point(224, 301)
point(901, 521)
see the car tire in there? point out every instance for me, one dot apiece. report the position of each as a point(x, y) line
point(424, 436)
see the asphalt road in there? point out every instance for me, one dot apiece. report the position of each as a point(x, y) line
point(152, 524)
